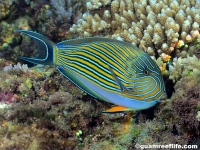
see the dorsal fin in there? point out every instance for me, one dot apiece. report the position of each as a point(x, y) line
point(92, 39)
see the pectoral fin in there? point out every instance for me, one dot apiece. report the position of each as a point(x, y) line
point(116, 109)
point(122, 87)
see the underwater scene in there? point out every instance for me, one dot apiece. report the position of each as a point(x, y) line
point(99, 74)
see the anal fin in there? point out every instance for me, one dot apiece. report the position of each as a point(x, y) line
point(116, 109)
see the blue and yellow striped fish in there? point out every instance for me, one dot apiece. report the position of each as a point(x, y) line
point(108, 69)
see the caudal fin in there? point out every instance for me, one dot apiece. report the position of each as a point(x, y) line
point(45, 48)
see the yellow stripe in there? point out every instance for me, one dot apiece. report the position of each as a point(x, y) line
point(94, 68)
point(134, 52)
point(106, 59)
point(106, 67)
point(115, 58)
point(55, 52)
point(122, 50)
point(147, 96)
point(91, 74)
point(90, 65)
point(115, 51)
point(129, 58)
point(112, 55)
point(84, 54)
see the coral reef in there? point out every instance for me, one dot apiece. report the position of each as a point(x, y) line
point(53, 109)
point(182, 67)
point(49, 18)
point(41, 109)
point(155, 26)
point(7, 39)
point(180, 113)
point(5, 8)
point(156, 132)
point(63, 14)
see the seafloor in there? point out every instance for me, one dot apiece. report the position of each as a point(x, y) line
point(42, 110)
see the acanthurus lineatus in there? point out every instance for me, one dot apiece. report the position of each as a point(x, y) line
point(108, 69)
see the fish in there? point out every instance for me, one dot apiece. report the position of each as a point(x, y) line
point(107, 69)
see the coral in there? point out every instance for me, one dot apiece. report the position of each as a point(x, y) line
point(28, 137)
point(59, 97)
point(162, 65)
point(54, 111)
point(65, 11)
point(165, 57)
point(7, 38)
point(180, 112)
point(5, 8)
point(63, 14)
point(188, 38)
point(95, 4)
point(148, 24)
point(41, 109)
point(49, 18)
point(18, 84)
point(18, 67)
point(9, 41)
point(195, 34)
point(181, 67)
point(198, 116)
point(155, 132)
point(8, 97)
point(180, 43)
point(121, 132)
point(22, 23)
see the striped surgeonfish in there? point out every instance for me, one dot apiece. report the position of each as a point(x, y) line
point(108, 69)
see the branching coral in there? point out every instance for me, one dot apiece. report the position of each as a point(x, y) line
point(150, 24)
point(63, 14)
point(182, 67)
point(65, 9)
point(161, 64)
point(53, 18)
point(15, 68)
point(95, 4)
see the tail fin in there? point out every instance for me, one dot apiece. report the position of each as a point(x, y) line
point(45, 46)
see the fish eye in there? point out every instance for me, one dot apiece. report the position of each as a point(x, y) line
point(146, 72)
